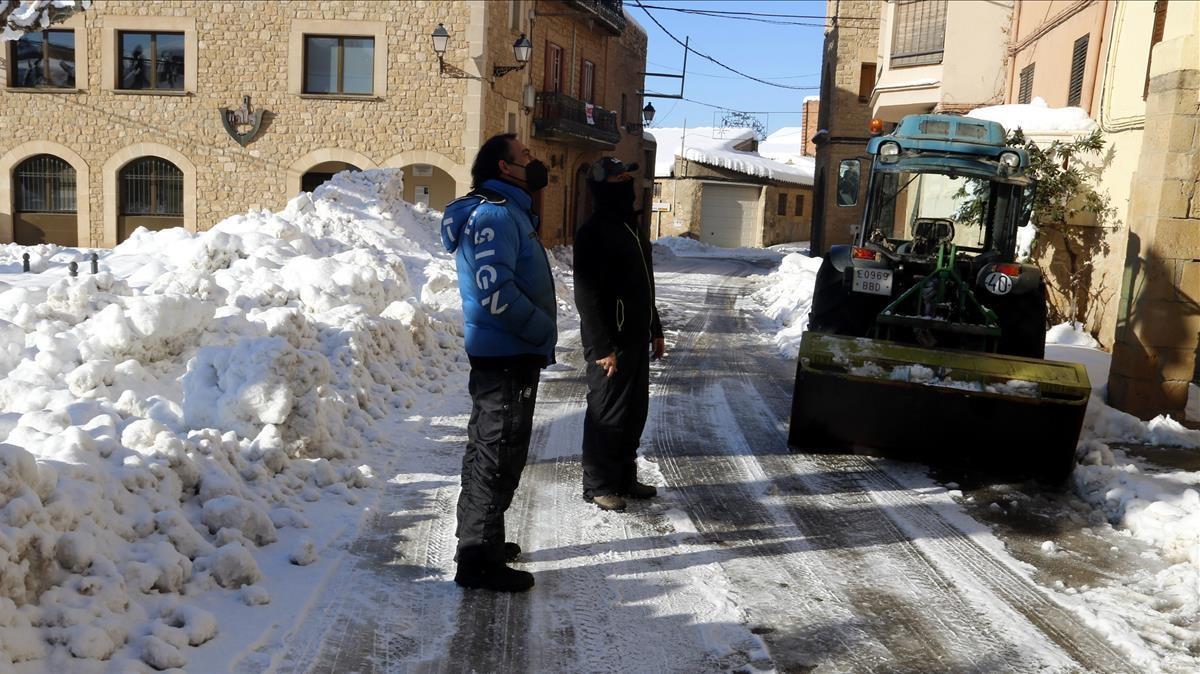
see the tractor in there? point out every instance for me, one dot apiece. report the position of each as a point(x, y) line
point(926, 336)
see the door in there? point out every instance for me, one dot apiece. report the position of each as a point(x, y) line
point(44, 202)
point(729, 215)
point(422, 195)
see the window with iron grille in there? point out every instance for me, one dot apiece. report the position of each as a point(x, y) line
point(1025, 92)
point(43, 60)
point(151, 186)
point(44, 184)
point(783, 199)
point(339, 64)
point(1078, 65)
point(799, 204)
point(1156, 36)
point(150, 61)
point(919, 33)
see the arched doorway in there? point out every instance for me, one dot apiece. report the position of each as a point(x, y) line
point(44, 202)
point(583, 199)
point(321, 173)
point(151, 196)
point(427, 184)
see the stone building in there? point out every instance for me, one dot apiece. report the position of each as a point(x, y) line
point(130, 102)
point(843, 114)
point(712, 184)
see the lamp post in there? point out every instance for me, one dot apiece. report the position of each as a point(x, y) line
point(522, 49)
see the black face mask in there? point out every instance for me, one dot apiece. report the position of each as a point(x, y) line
point(536, 175)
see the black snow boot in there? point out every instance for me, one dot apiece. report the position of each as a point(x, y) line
point(495, 577)
point(511, 551)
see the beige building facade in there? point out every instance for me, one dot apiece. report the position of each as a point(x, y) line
point(129, 99)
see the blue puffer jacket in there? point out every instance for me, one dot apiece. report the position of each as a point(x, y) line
point(503, 273)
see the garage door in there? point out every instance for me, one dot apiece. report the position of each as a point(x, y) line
point(729, 215)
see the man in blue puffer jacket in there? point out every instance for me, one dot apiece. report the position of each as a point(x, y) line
point(509, 310)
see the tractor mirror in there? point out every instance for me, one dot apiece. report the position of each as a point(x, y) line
point(849, 175)
point(1027, 205)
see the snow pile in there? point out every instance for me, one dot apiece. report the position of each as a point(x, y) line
point(167, 420)
point(1071, 334)
point(680, 246)
point(785, 145)
point(1037, 117)
point(716, 147)
point(36, 13)
point(786, 298)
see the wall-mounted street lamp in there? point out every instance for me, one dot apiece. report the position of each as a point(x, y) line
point(522, 49)
point(648, 113)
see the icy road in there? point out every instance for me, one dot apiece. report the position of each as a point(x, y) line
point(752, 559)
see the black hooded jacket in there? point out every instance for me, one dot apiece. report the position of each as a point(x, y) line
point(614, 277)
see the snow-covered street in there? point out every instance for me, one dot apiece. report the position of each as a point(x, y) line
point(753, 559)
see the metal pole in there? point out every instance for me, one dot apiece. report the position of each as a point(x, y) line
point(25, 263)
point(95, 263)
point(73, 268)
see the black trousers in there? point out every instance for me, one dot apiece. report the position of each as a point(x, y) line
point(612, 428)
point(502, 400)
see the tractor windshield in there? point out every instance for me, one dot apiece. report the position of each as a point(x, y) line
point(919, 210)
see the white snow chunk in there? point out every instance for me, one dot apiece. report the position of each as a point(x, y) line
point(255, 595)
point(238, 513)
point(161, 655)
point(305, 552)
point(233, 566)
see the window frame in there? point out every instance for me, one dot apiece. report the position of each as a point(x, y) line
point(67, 185)
point(341, 61)
point(153, 88)
point(800, 204)
point(867, 74)
point(587, 81)
point(782, 207)
point(1156, 35)
point(154, 181)
point(553, 80)
point(11, 70)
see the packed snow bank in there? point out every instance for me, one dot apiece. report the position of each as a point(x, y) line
point(1036, 117)
point(171, 424)
point(786, 298)
point(684, 247)
point(1071, 334)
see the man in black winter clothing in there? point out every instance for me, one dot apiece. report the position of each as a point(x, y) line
point(614, 290)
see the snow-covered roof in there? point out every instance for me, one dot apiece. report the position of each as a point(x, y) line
point(1037, 117)
point(783, 144)
point(714, 146)
point(808, 99)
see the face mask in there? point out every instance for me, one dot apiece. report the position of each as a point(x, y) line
point(536, 175)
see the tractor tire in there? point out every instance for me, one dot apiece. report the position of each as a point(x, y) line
point(1023, 324)
point(835, 310)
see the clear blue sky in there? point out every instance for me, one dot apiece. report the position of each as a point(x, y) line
point(783, 54)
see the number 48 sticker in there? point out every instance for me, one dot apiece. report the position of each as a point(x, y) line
point(998, 284)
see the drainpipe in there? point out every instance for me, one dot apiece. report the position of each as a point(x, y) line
point(1012, 50)
point(1093, 57)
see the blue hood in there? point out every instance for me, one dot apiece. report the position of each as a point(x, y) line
point(459, 211)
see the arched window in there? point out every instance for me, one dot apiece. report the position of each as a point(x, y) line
point(44, 201)
point(151, 190)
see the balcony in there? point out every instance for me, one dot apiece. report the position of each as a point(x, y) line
point(561, 118)
point(608, 13)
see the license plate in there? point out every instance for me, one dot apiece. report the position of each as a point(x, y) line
point(873, 281)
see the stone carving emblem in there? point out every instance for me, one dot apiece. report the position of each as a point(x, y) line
point(233, 119)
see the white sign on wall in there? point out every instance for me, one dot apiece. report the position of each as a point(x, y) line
point(661, 206)
point(422, 170)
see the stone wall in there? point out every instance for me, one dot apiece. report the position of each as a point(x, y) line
point(243, 49)
point(843, 118)
point(1158, 328)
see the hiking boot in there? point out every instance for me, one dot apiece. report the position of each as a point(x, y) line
point(641, 491)
point(607, 501)
point(497, 578)
point(511, 551)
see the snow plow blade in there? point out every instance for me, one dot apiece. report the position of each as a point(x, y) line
point(1000, 413)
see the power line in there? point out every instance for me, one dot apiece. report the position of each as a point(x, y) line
point(749, 112)
point(733, 77)
point(713, 60)
point(733, 14)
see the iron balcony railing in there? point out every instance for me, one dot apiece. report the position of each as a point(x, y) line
point(560, 117)
point(609, 12)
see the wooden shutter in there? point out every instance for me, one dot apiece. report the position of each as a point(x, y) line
point(1160, 22)
point(587, 82)
point(1025, 93)
point(919, 32)
point(866, 81)
point(1078, 65)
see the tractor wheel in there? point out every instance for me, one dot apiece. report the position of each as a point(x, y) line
point(835, 310)
point(1023, 324)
